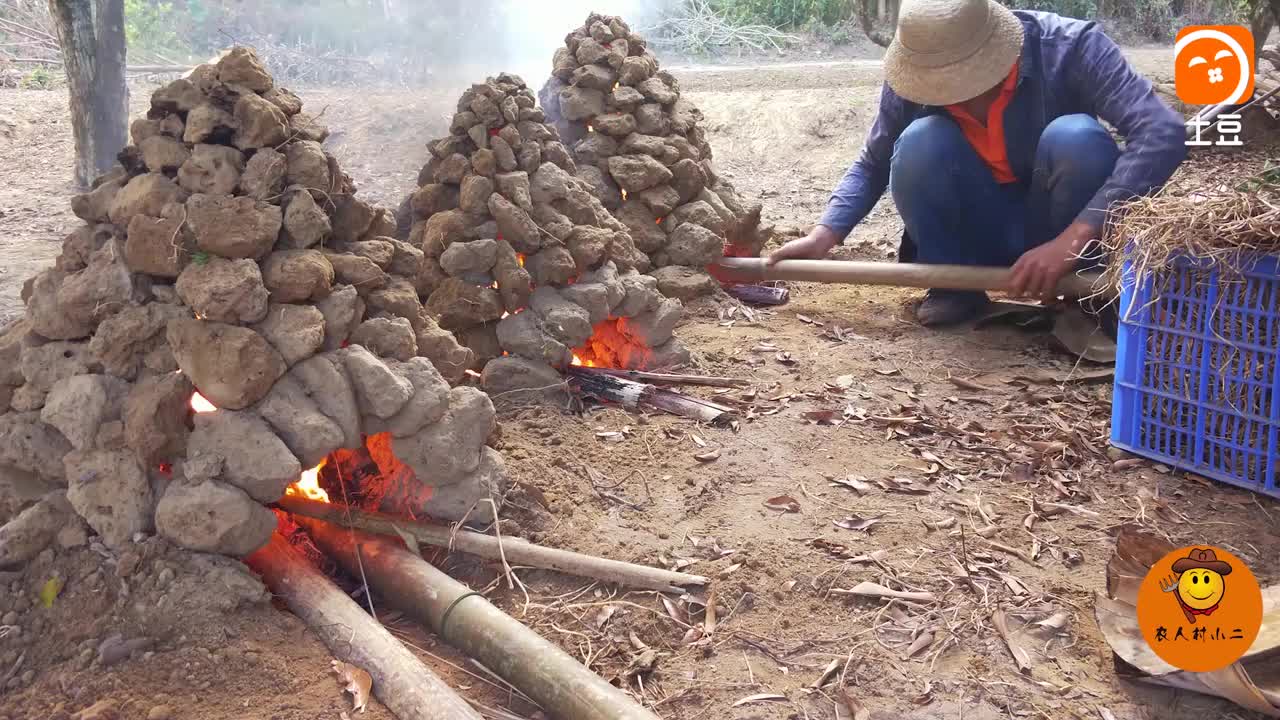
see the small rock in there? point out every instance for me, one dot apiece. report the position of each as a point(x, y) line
point(305, 224)
point(637, 173)
point(233, 367)
point(161, 153)
point(238, 227)
point(224, 291)
point(387, 337)
point(296, 331)
point(259, 123)
point(213, 517)
point(305, 430)
point(343, 311)
point(254, 458)
point(110, 490)
point(263, 177)
point(325, 380)
point(155, 418)
point(297, 276)
point(212, 169)
point(144, 195)
point(380, 391)
point(684, 283)
point(241, 67)
point(464, 258)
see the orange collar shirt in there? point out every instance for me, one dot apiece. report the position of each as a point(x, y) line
point(988, 140)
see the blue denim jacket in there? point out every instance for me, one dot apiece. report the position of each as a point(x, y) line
point(1067, 67)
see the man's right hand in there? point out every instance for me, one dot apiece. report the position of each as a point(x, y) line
point(813, 246)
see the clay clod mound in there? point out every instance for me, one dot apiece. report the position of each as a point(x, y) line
point(522, 260)
point(642, 147)
point(229, 317)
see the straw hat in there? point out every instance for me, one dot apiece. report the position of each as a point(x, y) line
point(949, 51)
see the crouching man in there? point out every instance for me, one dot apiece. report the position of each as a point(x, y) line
point(988, 136)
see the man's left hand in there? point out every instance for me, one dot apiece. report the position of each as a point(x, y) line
point(1037, 272)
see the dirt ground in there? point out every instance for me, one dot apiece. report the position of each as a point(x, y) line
point(867, 449)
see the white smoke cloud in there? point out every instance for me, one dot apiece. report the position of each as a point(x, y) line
point(535, 28)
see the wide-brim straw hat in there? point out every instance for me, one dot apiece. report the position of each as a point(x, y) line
point(949, 51)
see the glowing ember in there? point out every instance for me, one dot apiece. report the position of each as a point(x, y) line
point(624, 194)
point(201, 405)
point(591, 128)
point(308, 486)
point(520, 259)
point(580, 362)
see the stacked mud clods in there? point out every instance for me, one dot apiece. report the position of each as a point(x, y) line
point(229, 256)
point(522, 261)
point(642, 147)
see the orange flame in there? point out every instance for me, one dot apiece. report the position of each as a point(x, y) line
point(201, 405)
point(308, 486)
point(520, 259)
point(624, 194)
point(580, 362)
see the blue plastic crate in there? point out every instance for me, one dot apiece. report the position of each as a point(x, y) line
point(1197, 378)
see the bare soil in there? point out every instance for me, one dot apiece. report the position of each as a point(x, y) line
point(957, 444)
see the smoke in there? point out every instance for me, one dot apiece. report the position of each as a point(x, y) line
point(531, 30)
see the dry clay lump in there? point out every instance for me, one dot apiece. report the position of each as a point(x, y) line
point(521, 258)
point(227, 255)
point(641, 146)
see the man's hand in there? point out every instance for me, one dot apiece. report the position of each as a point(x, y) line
point(1037, 272)
point(813, 246)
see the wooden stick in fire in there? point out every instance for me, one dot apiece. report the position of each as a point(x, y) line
point(404, 685)
point(561, 685)
point(518, 551)
point(947, 277)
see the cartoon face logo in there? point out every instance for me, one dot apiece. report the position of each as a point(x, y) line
point(1200, 584)
point(1213, 64)
point(1199, 608)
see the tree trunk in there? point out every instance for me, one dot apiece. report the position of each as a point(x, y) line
point(91, 34)
point(873, 33)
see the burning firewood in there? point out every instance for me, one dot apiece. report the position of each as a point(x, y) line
point(631, 394)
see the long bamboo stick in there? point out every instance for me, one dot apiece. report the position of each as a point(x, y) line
point(560, 685)
point(404, 685)
point(948, 277)
point(515, 550)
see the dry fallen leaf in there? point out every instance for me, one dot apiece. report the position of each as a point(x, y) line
point(785, 358)
point(852, 708)
point(821, 417)
point(804, 319)
point(762, 697)
point(709, 456)
point(785, 503)
point(945, 524)
point(1020, 656)
point(856, 483)
point(1056, 622)
point(356, 681)
point(730, 570)
point(853, 522)
point(606, 612)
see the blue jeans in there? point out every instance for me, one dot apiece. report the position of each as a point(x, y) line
point(956, 213)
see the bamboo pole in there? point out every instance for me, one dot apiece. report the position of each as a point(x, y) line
point(404, 685)
point(946, 277)
point(551, 677)
point(515, 550)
